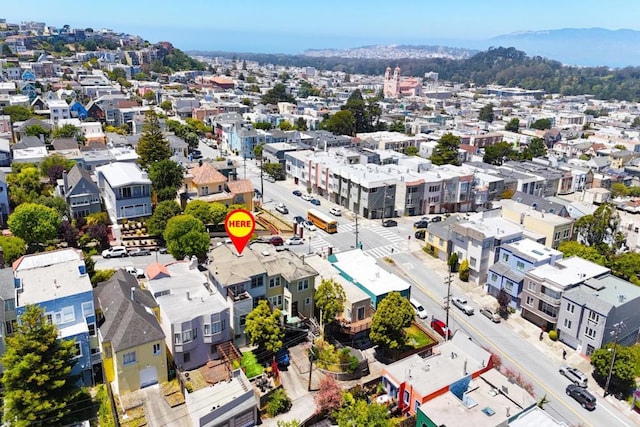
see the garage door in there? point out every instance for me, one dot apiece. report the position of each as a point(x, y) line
point(148, 376)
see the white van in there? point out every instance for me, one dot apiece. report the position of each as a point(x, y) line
point(420, 311)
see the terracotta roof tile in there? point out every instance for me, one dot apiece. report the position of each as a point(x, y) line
point(240, 186)
point(206, 174)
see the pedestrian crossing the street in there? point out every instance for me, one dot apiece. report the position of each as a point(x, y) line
point(384, 251)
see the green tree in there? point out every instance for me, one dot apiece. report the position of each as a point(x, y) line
point(262, 125)
point(58, 203)
point(149, 96)
point(263, 328)
point(186, 236)
point(285, 125)
point(201, 210)
point(358, 412)
point(541, 124)
point(498, 153)
point(486, 113)
point(152, 145)
point(601, 230)
point(18, 113)
point(34, 223)
point(12, 248)
point(623, 374)
point(411, 151)
point(219, 212)
point(393, 315)
point(446, 151)
point(397, 126)
point(301, 124)
point(357, 105)
point(37, 365)
point(626, 266)
point(166, 175)
point(329, 298)
point(166, 105)
point(278, 94)
point(341, 123)
point(513, 125)
point(572, 248)
point(25, 185)
point(162, 213)
point(68, 131)
point(636, 122)
point(452, 262)
point(618, 189)
point(463, 273)
point(536, 148)
point(53, 165)
point(274, 170)
point(37, 130)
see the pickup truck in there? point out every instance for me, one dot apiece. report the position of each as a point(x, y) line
point(462, 304)
point(138, 273)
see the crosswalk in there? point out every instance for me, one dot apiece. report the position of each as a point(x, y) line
point(399, 244)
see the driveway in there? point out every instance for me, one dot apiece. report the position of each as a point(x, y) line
point(158, 412)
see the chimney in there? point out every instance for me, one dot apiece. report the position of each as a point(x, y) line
point(133, 293)
point(188, 296)
point(64, 179)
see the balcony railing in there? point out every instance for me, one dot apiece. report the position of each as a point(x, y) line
point(550, 300)
point(352, 328)
point(96, 358)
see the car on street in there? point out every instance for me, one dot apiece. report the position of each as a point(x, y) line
point(297, 193)
point(115, 252)
point(436, 219)
point(282, 208)
point(420, 224)
point(389, 223)
point(490, 314)
point(441, 328)
point(138, 273)
point(298, 219)
point(294, 240)
point(306, 197)
point(276, 241)
point(418, 308)
point(335, 211)
point(315, 202)
point(257, 192)
point(269, 178)
point(139, 252)
point(163, 250)
point(419, 234)
point(462, 304)
point(582, 396)
point(309, 225)
point(576, 376)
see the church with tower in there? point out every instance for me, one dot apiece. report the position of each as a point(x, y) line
point(394, 87)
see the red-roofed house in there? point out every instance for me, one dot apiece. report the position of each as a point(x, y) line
point(208, 184)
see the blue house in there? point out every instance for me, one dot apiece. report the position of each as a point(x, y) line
point(77, 110)
point(362, 270)
point(514, 260)
point(58, 282)
point(4, 198)
point(243, 139)
point(126, 190)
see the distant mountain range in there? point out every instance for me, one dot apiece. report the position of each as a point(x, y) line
point(577, 46)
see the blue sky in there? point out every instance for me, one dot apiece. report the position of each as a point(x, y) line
point(290, 26)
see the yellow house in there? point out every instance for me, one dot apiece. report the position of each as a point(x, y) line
point(554, 228)
point(131, 339)
point(205, 182)
point(437, 238)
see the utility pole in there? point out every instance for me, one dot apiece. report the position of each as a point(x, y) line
point(615, 332)
point(311, 357)
point(384, 201)
point(357, 242)
point(447, 302)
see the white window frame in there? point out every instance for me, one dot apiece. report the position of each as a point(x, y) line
point(206, 329)
point(129, 358)
point(216, 328)
point(87, 309)
point(68, 314)
point(303, 285)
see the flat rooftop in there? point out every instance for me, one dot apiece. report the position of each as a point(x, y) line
point(568, 271)
point(532, 250)
point(326, 271)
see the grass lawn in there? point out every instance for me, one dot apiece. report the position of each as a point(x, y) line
point(416, 338)
point(636, 351)
point(251, 365)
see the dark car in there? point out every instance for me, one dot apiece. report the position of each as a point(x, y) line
point(315, 202)
point(276, 241)
point(436, 219)
point(298, 219)
point(582, 396)
point(419, 234)
point(139, 252)
point(389, 223)
point(297, 193)
point(420, 224)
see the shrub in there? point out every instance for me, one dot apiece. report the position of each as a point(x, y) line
point(553, 335)
point(463, 272)
point(101, 276)
point(279, 403)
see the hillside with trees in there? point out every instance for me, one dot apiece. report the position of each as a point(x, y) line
point(500, 65)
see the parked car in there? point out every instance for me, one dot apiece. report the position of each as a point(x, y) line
point(389, 223)
point(115, 252)
point(420, 224)
point(419, 234)
point(257, 192)
point(462, 304)
point(576, 376)
point(298, 219)
point(139, 252)
point(294, 240)
point(163, 250)
point(138, 273)
point(306, 197)
point(582, 396)
point(490, 314)
point(315, 202)
point(440, 327)
point(297, 193)
point(282, 208)
point(335, 211)
point(419, 309)
point(436, 219)
point(276, 241)
point(309, 225)
point(269, 178)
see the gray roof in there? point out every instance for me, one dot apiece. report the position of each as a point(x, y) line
point(75, 176)
point(442, 229)
point(540, 203)
point(503, 269)
point(128, 323)
point(7, 287)
point(65, 144)
point(28, 142)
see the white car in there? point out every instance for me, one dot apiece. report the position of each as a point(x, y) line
point(419, 309)
point(294, 240)
point(309, 225)
point(115, 252)
point(462, 304)
point(138, 273)
point(306, 196)
point(335, 211)
point(282, 208)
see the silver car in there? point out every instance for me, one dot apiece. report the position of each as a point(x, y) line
point(490, 314)
point(576, 376)
point(462, 304)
